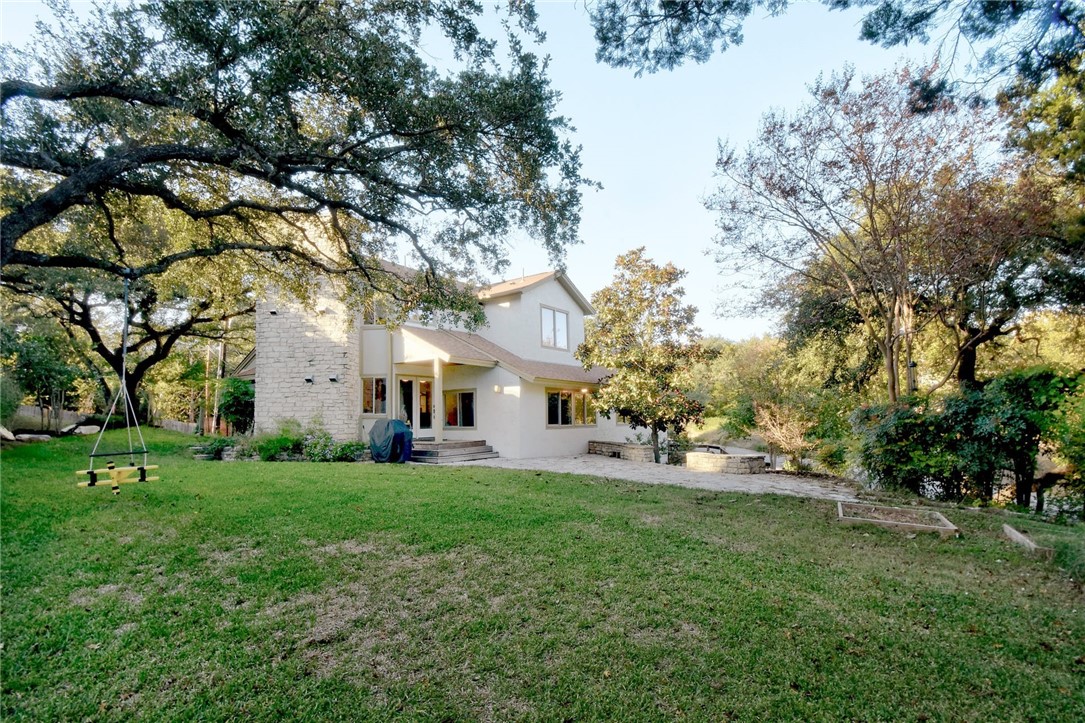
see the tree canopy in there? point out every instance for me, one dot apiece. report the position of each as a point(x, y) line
point(1031, 39)
point(644, 332)
point(313, 132)
point(909, 216)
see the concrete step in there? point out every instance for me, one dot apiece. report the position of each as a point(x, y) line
point(427, 445)
point(442, 453)
point(466, 456)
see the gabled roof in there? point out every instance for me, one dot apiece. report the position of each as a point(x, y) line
point(515, 287)
point(460, 347)
point(246, 368)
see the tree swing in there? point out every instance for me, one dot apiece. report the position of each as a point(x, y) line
point(132, 473)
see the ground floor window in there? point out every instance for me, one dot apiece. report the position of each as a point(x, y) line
point(569, 409)
point(374, 395)
point(460, 408)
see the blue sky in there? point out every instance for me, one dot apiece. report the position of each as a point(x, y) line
point(651, 141)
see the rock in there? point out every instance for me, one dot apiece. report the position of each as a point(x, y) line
point(33, 437)
point(6, 435)
point(87, 429)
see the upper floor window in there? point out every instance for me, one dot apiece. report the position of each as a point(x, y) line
point(555, 328)
point(375, 313)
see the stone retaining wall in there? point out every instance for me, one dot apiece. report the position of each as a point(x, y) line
point(729, 463)
point(632, 452)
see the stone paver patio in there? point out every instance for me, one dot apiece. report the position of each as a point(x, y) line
point(654, 474)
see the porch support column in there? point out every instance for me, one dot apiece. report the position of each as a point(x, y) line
point(438, 401)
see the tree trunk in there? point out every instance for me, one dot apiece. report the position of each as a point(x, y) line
point(892, 373)
point(966, 367)
point(655, 444)
point(220, 372)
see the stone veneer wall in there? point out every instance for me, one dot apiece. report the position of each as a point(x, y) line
point(730, 463)
point(632, 452)
point(295, 343)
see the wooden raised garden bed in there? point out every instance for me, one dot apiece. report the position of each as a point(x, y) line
point(898, 518)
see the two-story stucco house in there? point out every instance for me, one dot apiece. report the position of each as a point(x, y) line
point(514, 383)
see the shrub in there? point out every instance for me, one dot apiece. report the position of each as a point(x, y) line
point(677, 446)
point(286, 442)
point(238, 406)
point(318, 446)
point(832, 455)
point(11, 396)
point(900, 446)
point(349, 451)
point(215, 445)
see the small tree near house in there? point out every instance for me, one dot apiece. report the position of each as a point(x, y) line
point(644, 332)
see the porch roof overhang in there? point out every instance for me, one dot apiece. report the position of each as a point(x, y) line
point(458, 347)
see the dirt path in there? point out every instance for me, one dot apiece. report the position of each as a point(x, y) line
point(654, 474)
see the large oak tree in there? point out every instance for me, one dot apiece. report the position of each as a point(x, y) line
point(318, 132)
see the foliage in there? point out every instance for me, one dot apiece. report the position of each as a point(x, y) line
point(11, 397)
point(39, 364)
point(317, 445)
point(963, 447)
point(645, 336)
point(314, 135)
point(349, 451)
point(214, 446)
point(287, 441)
point(1050, 122)
point(238, 405)
point(652, 35)
point(900, 446)
point(1032, 39)
point(859, 199)
point(1029, 406)
point(677, 446)
point(786, 428)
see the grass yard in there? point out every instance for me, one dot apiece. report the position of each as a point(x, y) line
point(266, 591)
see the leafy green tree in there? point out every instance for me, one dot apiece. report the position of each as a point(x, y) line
point(645, 334)
point(1033, 39)
point(238, 405)
point(1029, 404)
point(41, 366)
point(317, 132)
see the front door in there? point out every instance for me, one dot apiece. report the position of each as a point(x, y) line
point(416, 404)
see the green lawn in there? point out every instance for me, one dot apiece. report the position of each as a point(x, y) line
point(351, 591)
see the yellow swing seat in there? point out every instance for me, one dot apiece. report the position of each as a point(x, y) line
point(117, 475)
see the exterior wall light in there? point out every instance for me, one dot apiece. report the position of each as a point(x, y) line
point(333, 378)
point(308, 380)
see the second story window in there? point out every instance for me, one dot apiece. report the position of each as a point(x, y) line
point(555, 328)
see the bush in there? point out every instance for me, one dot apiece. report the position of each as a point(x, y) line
point(11, 396)
point(286, 442)
point(832, 456)
point(349, 451)
point(900, 446)
point(112, 422)
point(677, 446)
point(238, 406)
point(318, 445)
point(215, 445)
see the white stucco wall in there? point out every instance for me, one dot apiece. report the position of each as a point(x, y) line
point(296, 343)
point(515, 322)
